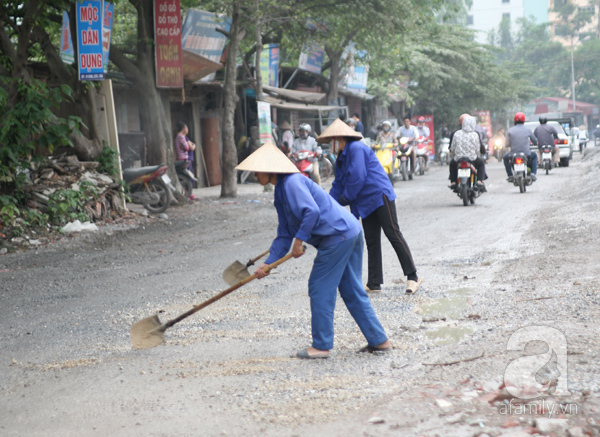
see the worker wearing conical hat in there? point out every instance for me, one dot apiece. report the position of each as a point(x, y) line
point(361, 182)
point(308, 214)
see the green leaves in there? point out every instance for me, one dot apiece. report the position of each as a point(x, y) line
point(30, 122)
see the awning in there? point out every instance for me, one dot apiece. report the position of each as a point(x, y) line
point(298, 96)
point(292, 106)
point(195, 66)
point(354, 93)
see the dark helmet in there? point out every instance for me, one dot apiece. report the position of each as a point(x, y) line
point(519, 117)
point(543, 120)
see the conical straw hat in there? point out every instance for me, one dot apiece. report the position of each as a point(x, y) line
point(285, 125)
point(338, 129)
point(268, 159)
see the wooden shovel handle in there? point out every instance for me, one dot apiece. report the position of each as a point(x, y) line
point(253, 260)
point(224, 293)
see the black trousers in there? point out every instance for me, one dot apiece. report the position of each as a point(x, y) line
point(479, 165)
point(385, 218)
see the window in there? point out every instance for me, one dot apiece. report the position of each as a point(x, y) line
point(505, 1)
point(506, 16)
point(587, 10)
point(469, 20)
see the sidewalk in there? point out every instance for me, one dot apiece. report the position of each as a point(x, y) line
point(242, 189)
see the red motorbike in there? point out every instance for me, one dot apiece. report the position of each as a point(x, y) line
point(422, 154)
point(304, 161)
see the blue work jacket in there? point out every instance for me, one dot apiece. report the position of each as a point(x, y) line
point(360, 180)
point(308, 213)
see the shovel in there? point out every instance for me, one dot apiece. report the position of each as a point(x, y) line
point(149, 332)
point(237, 271)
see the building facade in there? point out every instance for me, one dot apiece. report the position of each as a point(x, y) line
point(486, 15)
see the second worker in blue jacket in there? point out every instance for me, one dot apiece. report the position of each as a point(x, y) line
point(361, 182)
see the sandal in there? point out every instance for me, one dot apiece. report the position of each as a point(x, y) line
point(373, 349)
point(303, 354)
point(413, 286)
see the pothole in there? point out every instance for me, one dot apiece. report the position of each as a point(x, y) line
point(445, 312)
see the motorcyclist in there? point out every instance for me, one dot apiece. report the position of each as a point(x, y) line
point(386, 135)
point(411, 132)
point(485, 139)
point(546, 134)
point(466, 142)
point(306, 142)
point(423, 130)
point(518, 139)
point(597, 133)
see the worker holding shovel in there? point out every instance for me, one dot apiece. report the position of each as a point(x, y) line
point(308, 214)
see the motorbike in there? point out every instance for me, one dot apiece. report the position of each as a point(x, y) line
point(149, 186)
point(326, 163)
point(445, 151)
point(521, 174)
point(304, 161)
point(387, 156)
point(404, 151)
point(467, 188)
point(422, 154)
point(546, 162)
point(499, 148)
point(185, 176)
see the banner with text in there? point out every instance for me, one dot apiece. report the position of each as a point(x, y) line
point(67, 52)
point(89, 41)
point(107, 21)
point(167, 36)
point(269, 64)
point(264, 122)
point(200, 37)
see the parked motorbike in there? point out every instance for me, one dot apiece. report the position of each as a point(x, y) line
point(404, 151)
point(149, 186)
point(304, 161)
point(467, 188)
point(422, 154)
point(445, 151)
point(499, 148)
point(387, 156)
point(546, 162)
point(185, 176)
point(521, 174)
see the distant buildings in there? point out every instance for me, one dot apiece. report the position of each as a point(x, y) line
point(486, 15)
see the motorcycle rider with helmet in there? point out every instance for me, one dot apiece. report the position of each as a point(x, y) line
point(306, 142)
point(422, 128)
point(518, 139)
point(386, 135)
point(546, 134)
point(466, 142)
point(412, 133)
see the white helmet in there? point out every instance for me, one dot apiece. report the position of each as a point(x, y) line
point(386, 123)
point(305, 126)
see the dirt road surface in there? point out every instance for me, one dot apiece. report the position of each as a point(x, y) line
point(508, 262)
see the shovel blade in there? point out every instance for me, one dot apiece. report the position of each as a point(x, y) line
point(235, 273)
point(147, 333)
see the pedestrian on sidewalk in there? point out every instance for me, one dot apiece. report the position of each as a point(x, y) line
point(308, 214)
point(361, 182)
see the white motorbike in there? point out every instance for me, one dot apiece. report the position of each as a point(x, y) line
point(445, 151)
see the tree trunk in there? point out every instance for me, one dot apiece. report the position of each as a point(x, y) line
point(259, 47)
point(334, 76)
point(229, 179)
point(141, 73)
